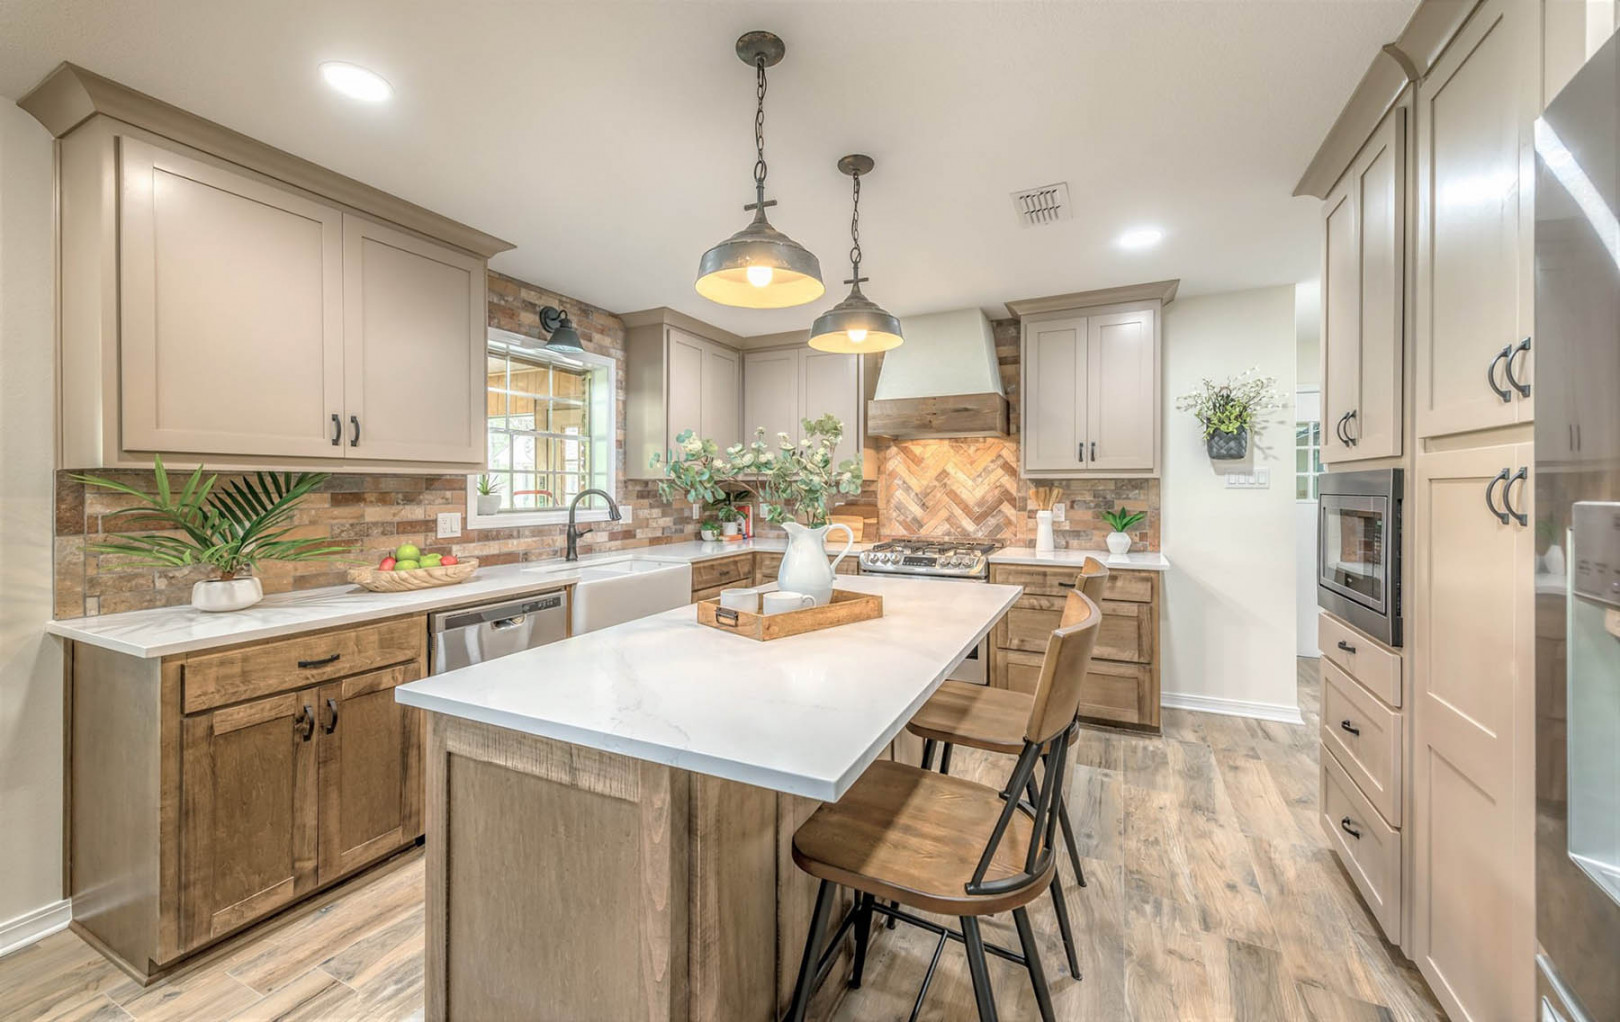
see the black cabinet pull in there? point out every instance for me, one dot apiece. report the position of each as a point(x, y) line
point(1490, 500)
point(1094, 451)
point(1349, 827)
point(304, 723)
point(331, 723)
point(1066, 585)
point(322, 662)
point(1346, 725)
point(1346, 646)
point(337, 429)
point(1513, 381)
point(1080, 455)
point(1490, 374)
point(1521, 476)
point(1338, 429)
point(1349, 417)
point(354, 421)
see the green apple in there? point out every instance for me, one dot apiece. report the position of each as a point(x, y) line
point(404, 564)
point(428, 560)
point(407, 552)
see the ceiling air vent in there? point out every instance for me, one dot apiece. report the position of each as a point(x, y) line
point(1044, 205)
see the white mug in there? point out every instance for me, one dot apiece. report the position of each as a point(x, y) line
point(777, 603)
point(740, 599)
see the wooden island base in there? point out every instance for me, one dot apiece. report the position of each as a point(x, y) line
point(566, 882)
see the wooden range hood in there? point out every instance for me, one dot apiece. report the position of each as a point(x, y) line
point(956, 415)
point(945, 381)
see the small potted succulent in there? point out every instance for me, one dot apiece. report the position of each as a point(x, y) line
point(229, 528)
point(709, 529)
point(489, 495)
point(1229, 411)
point(1121, 521)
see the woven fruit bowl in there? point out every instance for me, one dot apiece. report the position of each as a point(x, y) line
point(379, 581)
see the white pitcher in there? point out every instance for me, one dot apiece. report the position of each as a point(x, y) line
point(804, 565)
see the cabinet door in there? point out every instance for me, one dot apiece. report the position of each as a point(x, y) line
point(1379, 183)
point(1473, 715)
point(684, 395)
point(1473, 219)
point(1341, 318)
point(1122, 392)
point(771, 394)
point(413, 342)
point(831, 384)
point(231, 311)
point(722, 395)
point(1054, 395)
point(370, 769)
point(248, 812)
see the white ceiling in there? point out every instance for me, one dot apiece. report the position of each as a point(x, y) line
point(612, 142)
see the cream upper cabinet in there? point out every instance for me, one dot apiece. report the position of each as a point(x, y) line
point(677, 381)
point(1091, 387)
point(686, 357)
point(830, 384)
point(1474, 743)
point(231, 311)
point(1475, 216)
point(771, 394)
point(782, 387)
point(722, 395)
point(413, 381)
point(1362, 300)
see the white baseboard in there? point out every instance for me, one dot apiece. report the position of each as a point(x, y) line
point(22, 931)
point(1279, 712)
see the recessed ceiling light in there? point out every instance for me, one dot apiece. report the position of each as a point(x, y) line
point(356, 82)
point(1140, 237)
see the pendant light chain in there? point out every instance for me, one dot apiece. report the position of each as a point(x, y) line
point(855, 232)
point(759, 134)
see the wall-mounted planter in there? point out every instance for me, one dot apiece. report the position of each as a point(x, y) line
point(1229, 446)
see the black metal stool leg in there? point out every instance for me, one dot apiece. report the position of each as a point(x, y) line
point(945, 759)
point(892, 920)
point(1061, 908)
point(977, 969)
point(807, 965)
point(929, 745)
point(1068, 839)
point(1032, 959)
point(863, 938)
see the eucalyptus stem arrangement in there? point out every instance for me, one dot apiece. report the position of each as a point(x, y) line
point(1233, 406)
point(794, 482)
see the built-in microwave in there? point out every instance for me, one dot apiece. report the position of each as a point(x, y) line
point(1358, 550)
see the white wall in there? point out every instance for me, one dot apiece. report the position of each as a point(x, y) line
point(1228, 623)
point(30, 662)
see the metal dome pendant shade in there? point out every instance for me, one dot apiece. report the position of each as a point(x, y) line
point(759, 267)
point(857, 324)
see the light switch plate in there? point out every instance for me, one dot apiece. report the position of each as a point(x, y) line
point(449, 524)
point(1060, 512)
point(1259, 479)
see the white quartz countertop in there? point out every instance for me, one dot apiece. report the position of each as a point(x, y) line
point(169, 630)
point(1144, 560)
point(803, 715)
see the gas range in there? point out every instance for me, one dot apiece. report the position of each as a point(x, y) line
point(932, 558)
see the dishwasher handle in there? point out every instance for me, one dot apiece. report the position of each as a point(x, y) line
point(510, 622)
point(501, 615)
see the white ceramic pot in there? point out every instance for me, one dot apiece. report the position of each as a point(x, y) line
point(709, 535)
point(1119, 543)
point(804, 564)
point(730, 528)
point(1044, 543)
point(489, 503)
point(226, 594)
point(1552, 562)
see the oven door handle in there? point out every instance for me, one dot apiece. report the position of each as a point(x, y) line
point(1490, 499)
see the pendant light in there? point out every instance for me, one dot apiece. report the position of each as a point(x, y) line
point(857, 324)
point(759, 267)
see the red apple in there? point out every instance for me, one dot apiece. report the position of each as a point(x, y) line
point(386, 565)
point(447, 559)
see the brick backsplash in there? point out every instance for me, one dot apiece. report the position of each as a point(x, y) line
point(370, 512)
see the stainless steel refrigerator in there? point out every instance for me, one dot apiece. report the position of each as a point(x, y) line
point(1577, 381)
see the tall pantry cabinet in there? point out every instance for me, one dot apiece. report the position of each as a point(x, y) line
point(1456, 317)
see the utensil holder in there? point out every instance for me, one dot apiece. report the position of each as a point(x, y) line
point(1044, 542)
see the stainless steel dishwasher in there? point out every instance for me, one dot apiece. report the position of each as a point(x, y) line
point(472, 635)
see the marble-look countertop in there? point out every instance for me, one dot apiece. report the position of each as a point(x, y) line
point(803, 715)
point(166, 631)
point(1137, 560)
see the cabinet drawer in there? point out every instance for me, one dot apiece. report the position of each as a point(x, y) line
point(1037, 581)
point(1129, 586)
point(1369, 847)
point(726, 571)
point(712, 593)
point(1118, 693)
point(1021, 672)
point(1377, 667)
point(247, 672)
point(766, 566)
point(1126, 632)
point(1366, 737)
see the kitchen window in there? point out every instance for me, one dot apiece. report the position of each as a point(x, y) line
point(551, 428)
point(1307, 459)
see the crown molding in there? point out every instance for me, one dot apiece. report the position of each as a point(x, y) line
point(1162, 291)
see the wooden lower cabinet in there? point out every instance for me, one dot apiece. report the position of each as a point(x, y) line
point(1123, 685)
point(187, 827)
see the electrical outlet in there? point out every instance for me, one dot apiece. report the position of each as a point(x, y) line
point(449, 524)
point(1060, 512)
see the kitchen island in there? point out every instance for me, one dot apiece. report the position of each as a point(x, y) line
point(609, 818)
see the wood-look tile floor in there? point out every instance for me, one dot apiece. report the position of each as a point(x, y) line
point(1211, 895)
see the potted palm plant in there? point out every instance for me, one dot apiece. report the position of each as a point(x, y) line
point(230, 528)
point(1229, 411)
point(1121, 521)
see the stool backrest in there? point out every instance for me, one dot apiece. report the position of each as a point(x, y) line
point(1068, 656)
point(1093, 578)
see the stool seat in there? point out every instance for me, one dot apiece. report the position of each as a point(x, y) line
point(914, 836)
point(978, 716)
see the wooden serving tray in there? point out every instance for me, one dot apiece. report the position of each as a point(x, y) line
point(379, 581)
point(845, 608)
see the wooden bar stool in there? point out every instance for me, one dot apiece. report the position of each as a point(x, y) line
point(993, 719)
point(949, 845)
